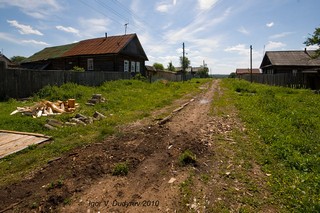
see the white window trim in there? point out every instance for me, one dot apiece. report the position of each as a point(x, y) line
point(126, 66)
point(133, 66)
point(90, 64)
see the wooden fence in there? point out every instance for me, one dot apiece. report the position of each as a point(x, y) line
point(21, 83)
point(282, 79)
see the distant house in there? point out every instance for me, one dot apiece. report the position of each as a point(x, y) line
point(300, 64)
point(7, 61)
point(123, 53)
point(240, 72)
point(290, 62)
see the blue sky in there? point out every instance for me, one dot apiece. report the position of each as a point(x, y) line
point(218, 32)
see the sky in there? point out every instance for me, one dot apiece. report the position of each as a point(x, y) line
point(217, 33)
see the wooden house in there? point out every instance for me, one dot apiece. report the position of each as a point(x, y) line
point(240, 72)
point(123, 53)
point(290, 62)
point(6, 60)
point(303, 64)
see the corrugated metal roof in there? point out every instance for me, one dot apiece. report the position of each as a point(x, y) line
point(12, 142)
point(104, 45)
point(291, 58)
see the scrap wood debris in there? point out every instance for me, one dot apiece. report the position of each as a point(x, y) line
point(95, 99)
point(78, 119)
point(46, 108)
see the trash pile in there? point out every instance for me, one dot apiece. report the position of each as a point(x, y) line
point(47, 108)
point(78, 119)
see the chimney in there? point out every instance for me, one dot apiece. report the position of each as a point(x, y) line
point(106, 35)
point(305, 50)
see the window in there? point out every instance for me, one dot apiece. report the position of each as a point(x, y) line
point(133, 66)
point(294, 72)
point(137, 66)
point(90, 64)
point(126, 66)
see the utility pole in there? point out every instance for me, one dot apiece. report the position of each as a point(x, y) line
point(251, 63)
point(183, 62)
point(125, 28)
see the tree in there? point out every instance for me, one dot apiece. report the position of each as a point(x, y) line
point(17, 59)
point(158, 66)
point(186, 63)
point(232, 75)
point(203, 72)
point(314, 40)
point(171, 67)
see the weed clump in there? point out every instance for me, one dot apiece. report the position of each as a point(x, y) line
point(187, 157)
point(120, 169)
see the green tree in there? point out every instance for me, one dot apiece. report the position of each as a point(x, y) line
point(203, 72)
point(184, 63)
point(17, 59)
point(158, 66)
point(232, 75)
point(314, 40)
point(171, 67)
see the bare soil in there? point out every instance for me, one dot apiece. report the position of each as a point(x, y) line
point(82, 180)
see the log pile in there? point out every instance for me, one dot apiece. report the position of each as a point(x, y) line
point(47, 108)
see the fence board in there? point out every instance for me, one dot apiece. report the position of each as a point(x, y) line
point(281, 79)
point(21, 83)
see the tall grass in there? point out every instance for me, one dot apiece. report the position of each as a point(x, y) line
point(287, 121)
point(126, 101)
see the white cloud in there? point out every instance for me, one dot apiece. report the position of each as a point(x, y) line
point(280, 35)
point(68, 29)
point(165, 7)
point(34, 8)
point(243, 30)
point(206, 4)
point(271, 24)
point(191, 31)
point(12, 39)
point(241, 49)
point(35, 42)
point(24, 29)
point(313, 47)
point(274, 45)
point(95, 27)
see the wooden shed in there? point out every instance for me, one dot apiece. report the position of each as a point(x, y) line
point(122, 53)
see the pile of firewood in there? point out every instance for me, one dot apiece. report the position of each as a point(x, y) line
point(47, 108)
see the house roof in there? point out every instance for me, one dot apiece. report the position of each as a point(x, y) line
point(247, 71)
point(290, 58)
point(96, 46)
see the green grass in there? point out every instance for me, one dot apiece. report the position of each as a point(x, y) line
point(120, 169)
point(126, 101)
point(286, 123)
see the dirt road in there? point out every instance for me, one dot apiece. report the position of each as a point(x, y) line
point(219, 180)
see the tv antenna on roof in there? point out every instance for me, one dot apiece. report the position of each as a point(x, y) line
point(125, 28)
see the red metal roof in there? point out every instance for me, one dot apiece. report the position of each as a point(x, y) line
point(104, 45)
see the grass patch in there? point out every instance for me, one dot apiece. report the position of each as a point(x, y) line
point(286, 124)
point(126, 101)
point(187, 157)
point(120, 169)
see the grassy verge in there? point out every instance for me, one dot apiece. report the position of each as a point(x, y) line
point(287, 124)
point(127, 100)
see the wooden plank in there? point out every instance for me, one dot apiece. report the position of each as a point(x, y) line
point(13, 143)
point(24, 133)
